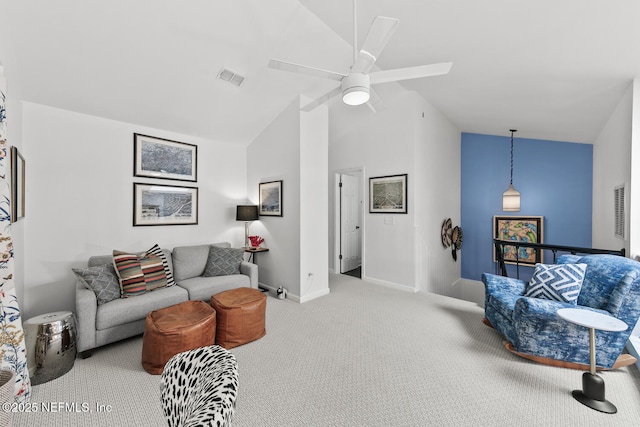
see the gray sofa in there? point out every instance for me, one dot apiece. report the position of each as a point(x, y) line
point(98, 325)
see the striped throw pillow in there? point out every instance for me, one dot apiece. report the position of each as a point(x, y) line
point(141, 273)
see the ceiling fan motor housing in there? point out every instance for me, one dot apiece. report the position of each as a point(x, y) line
point(355, 88)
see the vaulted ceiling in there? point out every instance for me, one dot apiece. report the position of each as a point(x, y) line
point(553, 70)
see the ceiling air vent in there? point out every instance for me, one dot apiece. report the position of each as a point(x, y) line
point(618, 195)
point(230, 76)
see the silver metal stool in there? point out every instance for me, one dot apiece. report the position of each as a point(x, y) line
point(51, 345)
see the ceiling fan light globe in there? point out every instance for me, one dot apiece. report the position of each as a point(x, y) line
point(355, 95)
point(355, 89)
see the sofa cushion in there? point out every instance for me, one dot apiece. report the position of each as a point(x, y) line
point(125, 310)
point(201, 288)
point(190, 261)
point(557, 282)
point(140, 273)
point(223, 261)
point(102, 280)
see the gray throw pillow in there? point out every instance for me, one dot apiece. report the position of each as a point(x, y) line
point(102, 280)
point(223, 261)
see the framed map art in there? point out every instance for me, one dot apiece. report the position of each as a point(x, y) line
point(164, 205)
point(163, 158)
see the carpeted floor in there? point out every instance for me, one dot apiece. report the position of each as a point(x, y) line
point(364, 355)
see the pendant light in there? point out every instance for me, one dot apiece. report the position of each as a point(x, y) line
point(511, 197)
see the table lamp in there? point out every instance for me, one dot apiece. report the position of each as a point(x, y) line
point(246, 213)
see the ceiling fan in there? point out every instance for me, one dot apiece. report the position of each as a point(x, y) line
point(355, 86)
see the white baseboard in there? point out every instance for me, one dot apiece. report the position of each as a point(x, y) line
point(393, 285)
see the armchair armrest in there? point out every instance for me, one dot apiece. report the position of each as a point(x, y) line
point(500, 284)
point(86, 309)
point(251, 270)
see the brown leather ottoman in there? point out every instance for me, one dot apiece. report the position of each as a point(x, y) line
point(174, 329)
point(240, 316)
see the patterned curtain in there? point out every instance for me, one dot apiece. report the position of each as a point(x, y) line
point(12, 344)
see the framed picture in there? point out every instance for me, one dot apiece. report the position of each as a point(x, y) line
point(388, 194)
point(164, 205)
point(17, 185)
point(163, 158)
point(528, 229)
point(270, 195)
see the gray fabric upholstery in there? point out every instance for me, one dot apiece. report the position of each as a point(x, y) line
point(124, 317)
point(190, 261)
point(86, 309)
point(124, 310)
point(201, 288)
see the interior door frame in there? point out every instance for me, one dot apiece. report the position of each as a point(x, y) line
point(337, 212)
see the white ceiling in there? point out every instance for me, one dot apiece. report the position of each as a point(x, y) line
point(552, 69)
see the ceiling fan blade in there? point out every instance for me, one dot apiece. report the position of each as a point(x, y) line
point(380, 32)
point(304, 69)
point(321, 100)
point(410, 72)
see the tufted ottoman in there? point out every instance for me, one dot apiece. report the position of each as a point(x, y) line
point(174, 329)
point(240, 316)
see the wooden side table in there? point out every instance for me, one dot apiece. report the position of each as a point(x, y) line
point(592, 393)
point(253, 251)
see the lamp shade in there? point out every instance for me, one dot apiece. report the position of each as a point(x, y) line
point(247, 213)
point(511, 200)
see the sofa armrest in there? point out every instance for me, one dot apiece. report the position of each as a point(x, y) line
point(86, 309)
point(251, 270)
point(500, 284)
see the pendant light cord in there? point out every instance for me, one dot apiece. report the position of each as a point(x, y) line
point(511, 178)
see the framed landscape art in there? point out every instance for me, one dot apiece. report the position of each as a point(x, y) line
point(528, 229)
point(163, 158)
point(270, 194)
point(388, 194)
point(164, 205)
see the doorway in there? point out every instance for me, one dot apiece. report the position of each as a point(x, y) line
point(349, 222)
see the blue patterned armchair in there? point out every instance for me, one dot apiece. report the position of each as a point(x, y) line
point(611, 285)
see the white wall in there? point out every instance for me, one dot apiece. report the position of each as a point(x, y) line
point(275, 155)
point(293, 148)
point(405, 250)
point(314, 218)
point(611, 167)
point(437, 195)
point(79, 198)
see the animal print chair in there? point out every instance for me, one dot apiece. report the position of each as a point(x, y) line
point(199, 387)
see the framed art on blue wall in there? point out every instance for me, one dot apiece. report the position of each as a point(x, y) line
point(529, 229)
point(165, 159)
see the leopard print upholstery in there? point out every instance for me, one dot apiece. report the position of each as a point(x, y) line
point(199, 387)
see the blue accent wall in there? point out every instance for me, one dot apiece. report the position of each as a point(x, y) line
point(555, 180)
